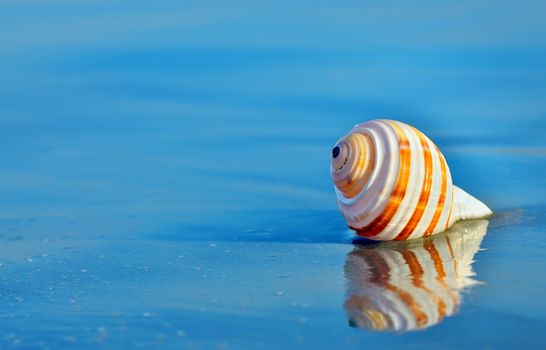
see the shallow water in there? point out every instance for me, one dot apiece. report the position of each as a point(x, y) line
point(165, 174)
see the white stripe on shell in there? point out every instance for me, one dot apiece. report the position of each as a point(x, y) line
point(434, 195)
point(374, 197)
point(409, 202)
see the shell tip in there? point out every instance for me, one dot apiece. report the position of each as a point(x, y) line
point(466, 206)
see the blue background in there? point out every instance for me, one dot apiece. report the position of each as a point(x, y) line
point(165, 166)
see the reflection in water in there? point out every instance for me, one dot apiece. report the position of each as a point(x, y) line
point(404, 286)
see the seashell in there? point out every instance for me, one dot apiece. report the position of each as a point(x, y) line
point(405, 286)
point(393, 183)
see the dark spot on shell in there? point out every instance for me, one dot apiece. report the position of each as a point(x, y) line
point(335, 152)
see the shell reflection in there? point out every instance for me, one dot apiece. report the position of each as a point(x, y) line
point(411, 285)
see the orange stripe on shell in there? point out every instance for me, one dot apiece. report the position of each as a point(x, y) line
point(442, 198)
point(425, 190)
point(351, 182)
point(450, 210)
point(399, 191)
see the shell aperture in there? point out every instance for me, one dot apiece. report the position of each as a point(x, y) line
point(393, 183)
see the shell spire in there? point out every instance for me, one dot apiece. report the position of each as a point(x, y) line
point(393, 183)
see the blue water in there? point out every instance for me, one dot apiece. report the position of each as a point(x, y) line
point(165, 168)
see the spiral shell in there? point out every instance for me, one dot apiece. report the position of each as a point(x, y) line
point(393, 183)
point(404, 287)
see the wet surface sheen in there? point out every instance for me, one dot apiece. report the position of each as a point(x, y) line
point(165, 181)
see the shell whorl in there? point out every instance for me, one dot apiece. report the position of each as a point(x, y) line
point(392, 182)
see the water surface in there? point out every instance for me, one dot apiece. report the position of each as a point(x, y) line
point(165, 171)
